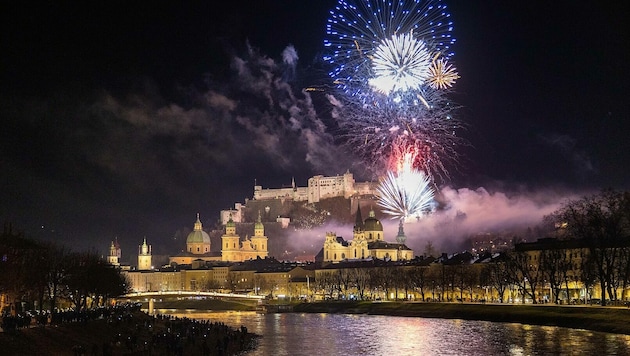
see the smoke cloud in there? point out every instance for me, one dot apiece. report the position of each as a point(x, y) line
point(462, 213)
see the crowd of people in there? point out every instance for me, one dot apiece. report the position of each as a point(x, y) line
point(137, 333)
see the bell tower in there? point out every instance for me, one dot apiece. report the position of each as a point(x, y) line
point(144, 256)
point(230, 242)
point(259, 240)
point(114, 253)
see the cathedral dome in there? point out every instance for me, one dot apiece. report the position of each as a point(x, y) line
point(372, 223)
point(198, 236)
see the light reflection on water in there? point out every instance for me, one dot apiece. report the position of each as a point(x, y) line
point(339, 334)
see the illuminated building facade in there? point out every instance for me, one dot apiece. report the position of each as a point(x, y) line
point(367, 242)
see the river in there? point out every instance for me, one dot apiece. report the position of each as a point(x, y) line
point(339, 334)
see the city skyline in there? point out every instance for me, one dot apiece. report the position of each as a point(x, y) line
point(125, 121)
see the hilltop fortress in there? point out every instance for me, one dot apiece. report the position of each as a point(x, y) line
point(319, 187)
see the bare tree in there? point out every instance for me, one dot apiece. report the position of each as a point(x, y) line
point(418, 278)
point(524, 271)
point(495, 274)
point(359, 278)
point(603, 222)
point(555, 264)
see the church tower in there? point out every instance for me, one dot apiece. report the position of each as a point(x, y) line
point(114, 253)
point(144, 256)
point(230, 242)
point(401, 238)
point(259, 240)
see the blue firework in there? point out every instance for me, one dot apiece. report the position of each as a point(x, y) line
point(387, 46)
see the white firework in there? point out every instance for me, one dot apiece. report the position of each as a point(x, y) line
point(401, 62)
point(405, 195)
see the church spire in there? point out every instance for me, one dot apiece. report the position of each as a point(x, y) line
point(401, 238)
point(358, 224)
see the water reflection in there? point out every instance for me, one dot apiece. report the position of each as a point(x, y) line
point(337, 334)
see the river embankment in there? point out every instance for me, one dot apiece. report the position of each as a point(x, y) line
point(595, 318)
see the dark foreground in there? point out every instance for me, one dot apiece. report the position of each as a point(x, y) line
point(611, 320)
point(129, 333)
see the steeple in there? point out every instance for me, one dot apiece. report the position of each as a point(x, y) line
point(358, 224)
point(259, 228)
point(401, 238)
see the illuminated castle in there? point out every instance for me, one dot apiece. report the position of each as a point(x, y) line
point(367, 242)
point(319, 187)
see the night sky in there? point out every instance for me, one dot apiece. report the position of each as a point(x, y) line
point(125, 119)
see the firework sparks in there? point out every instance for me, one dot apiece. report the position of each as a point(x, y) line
point(380, 132)
point(443, 74)
point(406, 195)
point(400, 63)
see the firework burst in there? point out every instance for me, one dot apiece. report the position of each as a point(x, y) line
point(443, 74)
point(400, 63)
point(392, 63)
point(405, 195)
point(387, 46)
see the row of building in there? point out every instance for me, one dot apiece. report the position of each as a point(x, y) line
point(201, 267)
point(463, 277)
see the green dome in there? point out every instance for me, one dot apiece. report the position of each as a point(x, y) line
point(198, 236)
point(372, 223)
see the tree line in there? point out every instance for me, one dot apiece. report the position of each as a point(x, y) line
point(44, 275)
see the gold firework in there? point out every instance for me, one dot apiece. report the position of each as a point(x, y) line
point(442, 74)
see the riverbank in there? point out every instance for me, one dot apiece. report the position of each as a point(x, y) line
point(129, 333)
point(605, 319)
